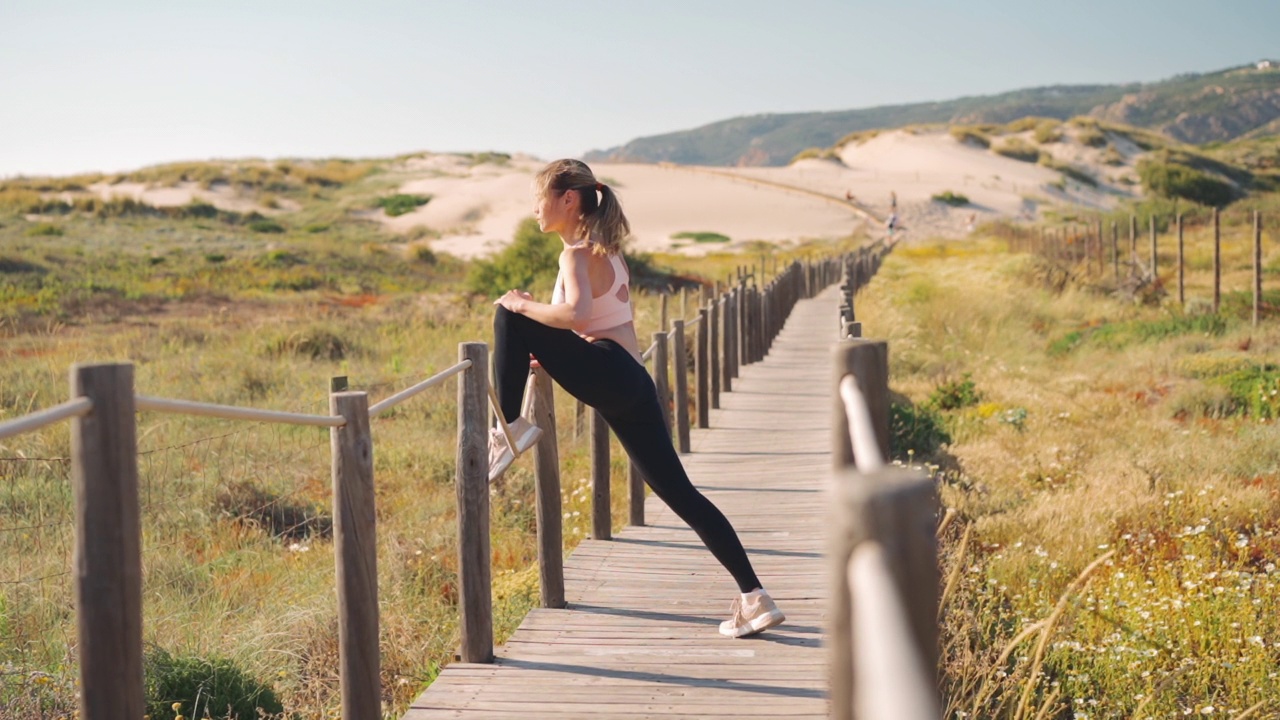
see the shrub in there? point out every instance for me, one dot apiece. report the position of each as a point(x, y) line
point(969, 135)
point(1047, 132)
point(266, 226)
point(315, 343)
point(1111, 156)
point(1018, 150)
point(201, 687)
point(424, 254)
point(399, 204)
point(1091, 136)
point(44, 230)
point(276, 515)
point(955, 394)
point(702, 237)
point(532, 258)
point(1069, 170)
point(215, 258)
point(949, 198)
point(915, 431)
point(1178, 181)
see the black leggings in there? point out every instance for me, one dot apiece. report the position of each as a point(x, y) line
point(604, 375)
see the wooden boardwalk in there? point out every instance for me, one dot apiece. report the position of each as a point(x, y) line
point(639, 636)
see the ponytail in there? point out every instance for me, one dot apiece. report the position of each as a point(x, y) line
point(603, 221)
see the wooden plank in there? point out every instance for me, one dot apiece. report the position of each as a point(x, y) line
point(638, 635)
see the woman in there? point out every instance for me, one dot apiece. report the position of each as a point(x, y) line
point(585, 339)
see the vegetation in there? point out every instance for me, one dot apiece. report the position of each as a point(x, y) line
point(1018, 150)
point(400, 203)
point(702, 237)
point(1172, 180)
point(1113, 554)
point(970, 135)
point(947, 197)
point(198, 688)
point(530, 263)
point(1047, 131)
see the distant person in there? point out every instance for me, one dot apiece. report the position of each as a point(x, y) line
point(848, 195)
point(893, 201)
point(585, 339)
point(973, 221)
point(891, 224)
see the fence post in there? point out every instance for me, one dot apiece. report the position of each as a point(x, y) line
point(108, 544)
point(660, 365)
point(1133, 238)
point(635, 499)
point(664, 311)
point(715, 360)
point(682, 385)
point(1217, 262)
point(1154, 273)
point(355, 549)
point(894, 510)
point(868, 362)
point(1257, 267)
point(601, 511)
point(1115, 249)
point(730, 339)
point(472, 483)
point(546, 472)
point(704, 380)
point(1182, 267)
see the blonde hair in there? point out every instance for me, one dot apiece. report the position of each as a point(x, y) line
point(602, 219)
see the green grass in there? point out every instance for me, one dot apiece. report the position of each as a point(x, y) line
point(702, 237)
point(1065, 458)
point(400, 204)
point(949, 198)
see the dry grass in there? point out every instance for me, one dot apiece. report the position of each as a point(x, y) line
point(1181, 616)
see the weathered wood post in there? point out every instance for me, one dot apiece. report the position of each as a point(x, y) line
point(716, 359)
point(664, 325)
point(108, 543)
point(635, 499)
point(1154, 274)
point(355, 549)
point(1133, 238)
point(546, 473)
point(660, 370)
point(868, 362)
point(1217, 262)
point(703, 371)
point(475, 601)
point(1257, 268)
point(1182, 266)
point(730, 339)
point(1115, 249)
point(682, 385)
point(601, 505)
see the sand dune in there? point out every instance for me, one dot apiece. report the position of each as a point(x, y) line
point(476, 208)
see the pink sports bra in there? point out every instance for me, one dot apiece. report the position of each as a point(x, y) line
point(607, 311)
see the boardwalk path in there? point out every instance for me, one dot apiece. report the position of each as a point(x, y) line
point(639, 637)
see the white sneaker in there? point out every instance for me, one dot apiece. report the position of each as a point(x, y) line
point(752, 613)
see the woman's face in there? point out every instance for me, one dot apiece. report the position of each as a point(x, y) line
point(555, 212)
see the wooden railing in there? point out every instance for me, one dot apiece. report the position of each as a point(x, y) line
point(734, 329)
point(882, 616)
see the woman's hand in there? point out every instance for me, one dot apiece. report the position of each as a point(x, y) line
point(514, 300)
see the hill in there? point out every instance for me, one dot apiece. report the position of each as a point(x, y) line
point(1191, 108)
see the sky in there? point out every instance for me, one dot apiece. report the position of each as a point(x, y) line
point(104, 87)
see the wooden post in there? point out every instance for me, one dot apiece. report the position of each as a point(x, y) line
point(1182, 267)
point(715, 360)
point(579, 419)
point(1115, 249)
point(664, 311)
point(682, 385)
point(704, 375)
point(1217, 262)
point(1133, 238)
point(107, 563)
point(660, 368)
point(1154, 273)
point(635, 500)
point(1257, 268)
point(684, 303)
point(1098, 249)
point(896, 510)
point(868, 362)
point(355, 549)
point(601, 517)
point(546, 472)
point(472, 483)
point(730, 339)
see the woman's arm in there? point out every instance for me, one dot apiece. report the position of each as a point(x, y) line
point(576, 308)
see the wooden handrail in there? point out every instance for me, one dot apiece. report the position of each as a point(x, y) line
point(388, 403)
point(231, 412)
point(77, 407)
